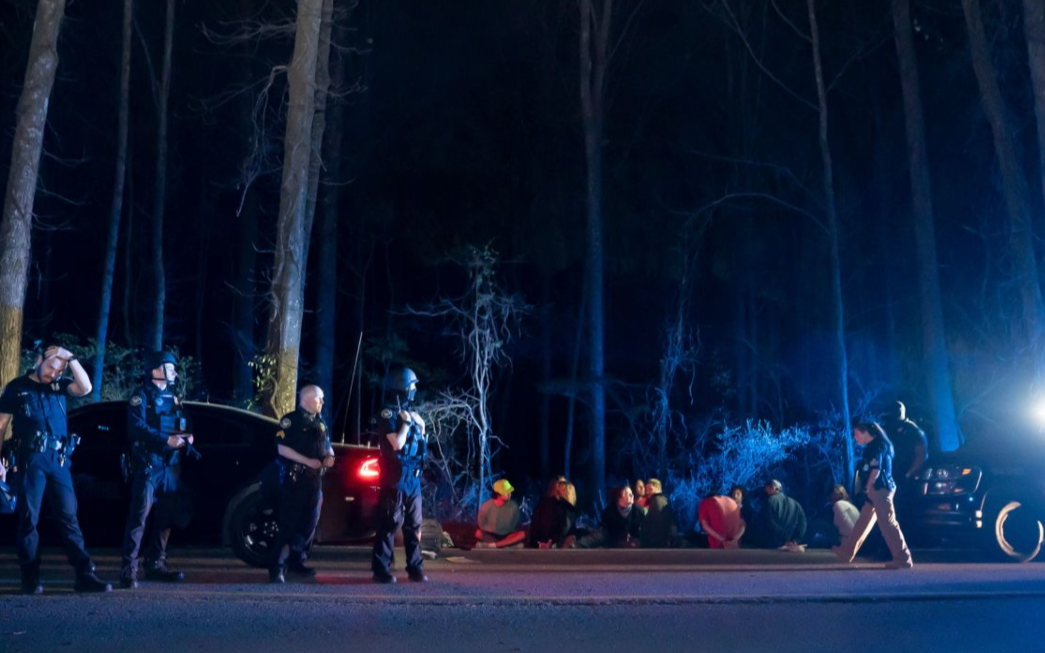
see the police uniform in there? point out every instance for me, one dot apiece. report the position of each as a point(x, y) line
point(41, 445)
point(878, 455)
point(153, 415)
point(300, 493)
point(400, 505)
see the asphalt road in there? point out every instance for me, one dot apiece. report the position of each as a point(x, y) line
point(549, 601)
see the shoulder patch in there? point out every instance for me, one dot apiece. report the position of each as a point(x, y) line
point(285, 422)
point(136, 400)
point(386, 414)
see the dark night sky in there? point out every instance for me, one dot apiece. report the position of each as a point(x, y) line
point(469, 133)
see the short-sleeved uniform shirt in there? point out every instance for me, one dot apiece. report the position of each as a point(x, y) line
point(36, 408)
point(306, 434)
point(878, 454)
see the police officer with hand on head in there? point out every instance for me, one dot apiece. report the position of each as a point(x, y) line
point(159, 441)
point(305, 452)
point(404, 448)
point(40, 447)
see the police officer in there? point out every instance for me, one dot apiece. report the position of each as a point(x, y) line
point(304, 453)
point(912, 447)
point(40, 448)
point(159, 440)
point(403, 451)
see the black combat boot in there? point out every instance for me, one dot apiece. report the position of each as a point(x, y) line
point(159, 570)
point(87, 582)
point(384, 578)
point(129, 578)
point(300, 569)
point(31, 581)
point(277, 575)
point(417, 575)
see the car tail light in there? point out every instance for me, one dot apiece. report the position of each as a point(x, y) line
point(370, 470)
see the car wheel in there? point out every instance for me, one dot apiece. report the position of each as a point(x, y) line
point(1018, 532)
point(253, 523)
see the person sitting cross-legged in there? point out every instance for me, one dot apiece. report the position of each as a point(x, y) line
point(499, 519)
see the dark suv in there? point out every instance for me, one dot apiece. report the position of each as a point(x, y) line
point(991, 498)
point(233, 505)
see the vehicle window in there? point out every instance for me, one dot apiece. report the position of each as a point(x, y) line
point(230, 428)
point(101, 425)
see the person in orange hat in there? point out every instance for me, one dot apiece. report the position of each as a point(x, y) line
point(499, 519)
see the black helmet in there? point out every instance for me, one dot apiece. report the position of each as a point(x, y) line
point(157, 359)
point(398, 381)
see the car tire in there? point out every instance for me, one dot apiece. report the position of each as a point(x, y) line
point(1017, 534)
point(251, 526)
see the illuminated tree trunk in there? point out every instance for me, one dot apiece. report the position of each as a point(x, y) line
point(933, 334)
point(1034, 29)
point(594, 42)
point(1014, 185)
point(288, 274)
point(116, 206)
point(162, 97)
point(833, 236)
point(16, 229)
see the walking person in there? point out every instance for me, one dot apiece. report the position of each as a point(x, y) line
point(875, 477)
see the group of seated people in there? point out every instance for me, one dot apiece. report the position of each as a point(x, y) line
point(647, 521)
point(639, 517)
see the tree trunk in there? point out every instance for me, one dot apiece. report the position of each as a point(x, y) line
point(162, 98)
point(244, 304)
point(1014, 185)
point(933, 333)
point(545, 316)
point(116, 207)
point(1034, 29)
point(326, 275)
point(16, 230)
point(594, 41)
point(319, 121)
point(288, 274)
point(834, 236)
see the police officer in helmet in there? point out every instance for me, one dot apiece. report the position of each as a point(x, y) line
point(404, 448)
point(304, 453)
point(39, 453)
point(159, 439)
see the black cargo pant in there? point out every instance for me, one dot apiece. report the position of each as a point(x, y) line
point(157, 490)
point(399, 509)
point(300, 502)
point(39, 474)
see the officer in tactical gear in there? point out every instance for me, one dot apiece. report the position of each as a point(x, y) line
point(304, 453)
point(39, 452)
point(159, 439)
point(403, 451)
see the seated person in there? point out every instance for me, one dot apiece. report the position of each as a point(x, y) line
point(552, 523)
point(845, 513)
point(659, 528)
point(499, 519)
point(783, 519)
point(721, 521)
point(640, 494)
point(622, 520)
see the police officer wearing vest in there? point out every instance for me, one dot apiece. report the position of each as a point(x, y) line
point(304, 453)
point(39, 453)
point(404, 448)
point(159, 439)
